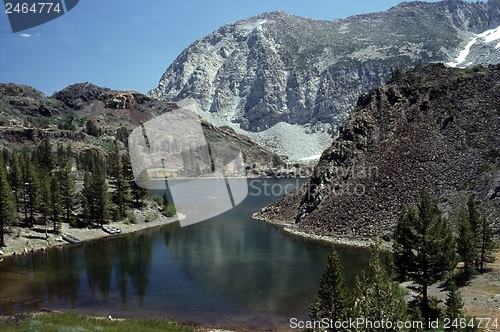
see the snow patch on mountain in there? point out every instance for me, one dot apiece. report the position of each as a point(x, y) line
point(297, 142)
point(463, 54)
point(491, 35)
point(485, 37)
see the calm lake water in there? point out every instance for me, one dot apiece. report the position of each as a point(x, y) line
point(228, 270)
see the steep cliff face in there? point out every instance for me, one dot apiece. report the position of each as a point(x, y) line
point(276, 67)
point(436, 130)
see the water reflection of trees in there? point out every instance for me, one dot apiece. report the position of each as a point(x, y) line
point(121, 265)
point(127, 258)
point(27, 282)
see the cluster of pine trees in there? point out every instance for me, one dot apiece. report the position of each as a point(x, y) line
point(39, 187)
point(424, 251)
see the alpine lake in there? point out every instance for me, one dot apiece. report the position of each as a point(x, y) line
point(229, 270)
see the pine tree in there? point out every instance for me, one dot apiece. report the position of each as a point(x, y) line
point(454, 307)
point(56, 207)
point(474, 215)
point(60, 155)
point(87, 196)
point(45, 197)
point(424, 250)
point(334, 300)
point(166, 202)
point(32, 192)
point(92, 129)
point(486, 244)
point(121, 195)
point(68, 192)
point(6, 156)
point(138, 193)
point(8, 211)
point(466, 242)
point(95, 196)
point(378, 297)
point(16, 178)
point(102, 199)
point(44, 155)
point(474, 219)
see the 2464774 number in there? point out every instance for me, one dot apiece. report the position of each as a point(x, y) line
point(35, 8)
point(484, 323)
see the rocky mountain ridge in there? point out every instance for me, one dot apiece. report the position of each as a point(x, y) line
point(436, 129)
point(27, 117)
point(276, 69)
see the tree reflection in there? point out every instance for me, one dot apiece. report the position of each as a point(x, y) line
point(123, 265)
point(141, 256)
point(29, 281)
point(99, 256)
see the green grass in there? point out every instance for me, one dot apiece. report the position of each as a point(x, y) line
point(72, 322)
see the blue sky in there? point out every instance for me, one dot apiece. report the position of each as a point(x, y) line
point(125, 44)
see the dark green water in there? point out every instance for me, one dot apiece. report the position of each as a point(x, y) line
point(228, 270)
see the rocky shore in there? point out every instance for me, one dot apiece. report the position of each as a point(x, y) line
point(291, 228)
point(22, 240)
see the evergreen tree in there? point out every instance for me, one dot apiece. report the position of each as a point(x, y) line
point(483, 234)
point(454, 310)
point(32, 192)
point(69, 153)
point(166, 202)
point(68, 192)
point(474, 215)
point(122, 135)
point(466, 242)
point(121, 195)
point(45, 197)
point(486, 244)
point(6, 156)
point(101, 205)
point(86, 198)
point(56, 207)
point(92, 129)
point(95, 196)
point(138, 193)
point(378, 297)
point(44, 155)
point(8, 211)
point(60, 155)
point(334, 300)
point(16, 178)
point(474, 219)
point(454, 303)
point(424, 250)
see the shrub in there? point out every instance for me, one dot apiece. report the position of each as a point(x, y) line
point(169, 211)
point(132, 218)
point(157, 199)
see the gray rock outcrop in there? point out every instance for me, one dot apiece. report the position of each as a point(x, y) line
point(279, 68)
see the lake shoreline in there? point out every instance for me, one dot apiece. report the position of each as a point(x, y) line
point(23, 240)
point(291, 228)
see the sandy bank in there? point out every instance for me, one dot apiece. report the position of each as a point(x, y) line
point(22, 240)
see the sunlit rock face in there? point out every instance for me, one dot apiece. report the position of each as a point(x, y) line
point(278, 68)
